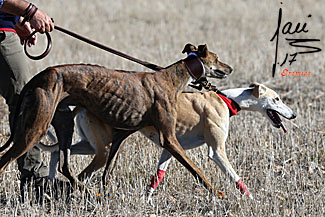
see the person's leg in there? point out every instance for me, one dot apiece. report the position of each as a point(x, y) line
point(14, 75)
point(33, 170)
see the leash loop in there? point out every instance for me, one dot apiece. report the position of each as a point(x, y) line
point(47, 50)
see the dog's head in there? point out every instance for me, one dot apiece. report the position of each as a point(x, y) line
point(268, 102)
point(213, 67)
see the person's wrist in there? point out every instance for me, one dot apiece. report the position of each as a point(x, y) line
point(29, 13)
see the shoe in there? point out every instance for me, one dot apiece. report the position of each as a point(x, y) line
point(37, 185)
point(60, 189)
point(45, 189)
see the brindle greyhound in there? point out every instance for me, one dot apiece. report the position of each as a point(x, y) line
point(128, 101)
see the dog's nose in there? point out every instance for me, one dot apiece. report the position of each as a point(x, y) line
point(293, 116)
point(230, 70)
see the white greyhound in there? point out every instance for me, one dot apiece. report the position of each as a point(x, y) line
point(201, 118)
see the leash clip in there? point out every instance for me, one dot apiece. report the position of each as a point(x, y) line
point(201, 83)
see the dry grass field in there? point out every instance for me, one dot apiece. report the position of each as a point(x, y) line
point(284, 172)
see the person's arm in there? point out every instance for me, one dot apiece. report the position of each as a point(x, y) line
point(40, 21)
point(14, 7)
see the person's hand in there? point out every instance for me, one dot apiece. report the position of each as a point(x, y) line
point(24, 31)
point(41, 22)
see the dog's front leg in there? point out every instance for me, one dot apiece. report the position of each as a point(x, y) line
point(220, 158)
point(216, 139)
point(165, 124)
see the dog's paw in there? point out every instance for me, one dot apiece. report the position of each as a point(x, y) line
point(149, 193)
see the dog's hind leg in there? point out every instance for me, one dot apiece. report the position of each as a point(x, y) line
point(99, 137)
point(32, 122)
point(55, 157)
point(97, 163)
point(118, 137)
point(63, 124)
point(81, 148)
point(163, 163)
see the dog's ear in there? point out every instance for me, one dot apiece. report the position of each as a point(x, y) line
point(189, 48)
point(202, 50)
point(257, 89)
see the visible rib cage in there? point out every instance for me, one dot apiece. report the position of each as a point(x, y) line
point(108, 91)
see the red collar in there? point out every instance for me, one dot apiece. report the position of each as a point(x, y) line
point(232, 105)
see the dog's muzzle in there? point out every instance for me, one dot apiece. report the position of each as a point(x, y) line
point(273, 115)
point(220, 74)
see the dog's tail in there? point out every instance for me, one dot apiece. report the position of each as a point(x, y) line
point(6, 145)
point(49, 148)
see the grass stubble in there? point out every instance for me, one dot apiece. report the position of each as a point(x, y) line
point(284, 172)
